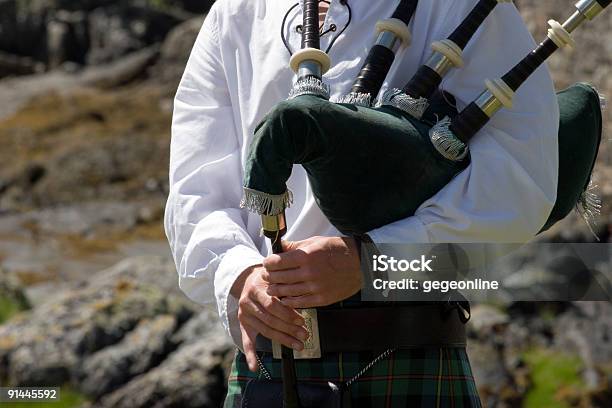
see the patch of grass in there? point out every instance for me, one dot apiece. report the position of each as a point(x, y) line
point(30, 278)
point(109, 240)
point(552, 374)
point(8, 308)
point(160, 4)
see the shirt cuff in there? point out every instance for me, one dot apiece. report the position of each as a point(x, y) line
point(234, 262)
point(407, 231)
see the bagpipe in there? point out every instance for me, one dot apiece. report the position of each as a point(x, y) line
point(370, 164)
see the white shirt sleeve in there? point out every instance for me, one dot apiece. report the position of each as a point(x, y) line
point(507, 192)
point(204, 225)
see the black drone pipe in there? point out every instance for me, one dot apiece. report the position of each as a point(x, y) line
point(392, 33)
point(310, 24)
point(500, 92)
point(448, 53)
point(274, 232)
point(309, 64)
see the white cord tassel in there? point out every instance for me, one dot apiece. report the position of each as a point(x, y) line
point(310, 86)
point(266, 204)
point(445, 141)
point(357, 99)
point(589, 207)
point(400, 100)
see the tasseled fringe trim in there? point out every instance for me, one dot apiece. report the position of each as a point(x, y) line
point(589, 207)
point(445, 141)
point(397, 98)
point(357, 99)
point(266, 204)
point(589, 204)
point(310, 86)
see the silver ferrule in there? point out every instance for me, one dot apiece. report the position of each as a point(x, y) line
point(310, 68)
point(389, 40)
point(589, 8)
point(574, 21)
point(488, 103)
point(439, 63)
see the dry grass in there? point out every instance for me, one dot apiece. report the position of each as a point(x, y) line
point(31, 278)
point(93, 112)
point(78, 247)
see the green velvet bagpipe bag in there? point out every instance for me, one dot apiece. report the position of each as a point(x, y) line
point(580, 131)
point(370, 167)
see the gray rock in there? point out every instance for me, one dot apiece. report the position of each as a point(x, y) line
point(486, 319)
point(175, 52)
point(120, 29)
point(83, 219)
point(143, 348)
point(15, 92)
point(67, 38)
point(121, 71)
point(94, 31)
point(555, 272)
point(194, 376)
point(46, 30)
point(199, 327)
point(100, 168)
point(11, 64)
point(46, 346)
point(157, 271)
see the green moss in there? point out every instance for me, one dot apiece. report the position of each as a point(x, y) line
point(8, 309)
point(548, 315)
point(550, 373)
point(160, 4)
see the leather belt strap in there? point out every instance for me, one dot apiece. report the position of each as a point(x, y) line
point(380, 328)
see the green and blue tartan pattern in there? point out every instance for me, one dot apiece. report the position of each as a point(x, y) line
point(432, 377)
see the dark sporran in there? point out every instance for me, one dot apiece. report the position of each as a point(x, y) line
point(269, 394)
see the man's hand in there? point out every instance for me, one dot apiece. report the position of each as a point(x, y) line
point(315, 272)
point(259, 312)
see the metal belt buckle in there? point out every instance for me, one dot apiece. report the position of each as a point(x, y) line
point(312, 345)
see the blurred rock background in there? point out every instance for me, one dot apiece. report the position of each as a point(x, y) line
point(88, 296)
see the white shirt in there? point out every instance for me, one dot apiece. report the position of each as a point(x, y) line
point(238, 71)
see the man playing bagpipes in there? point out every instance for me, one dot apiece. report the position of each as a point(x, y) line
point(301, 303)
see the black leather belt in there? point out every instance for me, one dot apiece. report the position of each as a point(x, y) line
point(380, 328)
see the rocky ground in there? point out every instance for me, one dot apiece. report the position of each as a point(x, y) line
point(85, 276)
point(124, 338)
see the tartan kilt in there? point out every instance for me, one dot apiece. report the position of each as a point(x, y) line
point(432, 377)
